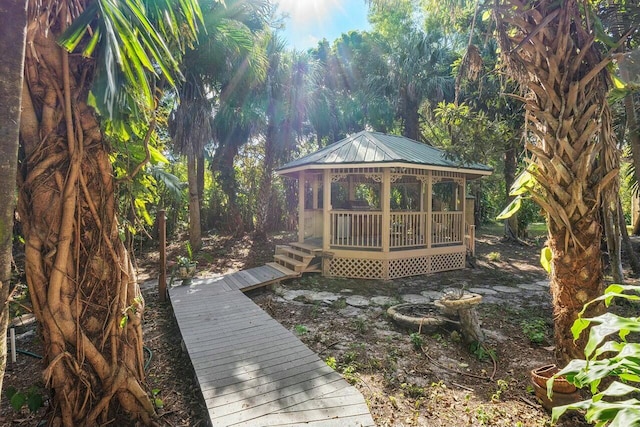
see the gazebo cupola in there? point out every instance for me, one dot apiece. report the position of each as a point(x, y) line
point(382, 206)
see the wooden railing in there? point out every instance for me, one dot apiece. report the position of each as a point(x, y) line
point(447, 228)
point(363, 229)
point(407, 229)
point(354, 229)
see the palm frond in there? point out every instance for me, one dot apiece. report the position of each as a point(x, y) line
point(131, 40)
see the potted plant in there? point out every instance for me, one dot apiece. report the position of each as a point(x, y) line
point(186, 264)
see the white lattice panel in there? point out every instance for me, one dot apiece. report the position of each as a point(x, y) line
point(356, 268)
point(446, 262)
point(409, 267)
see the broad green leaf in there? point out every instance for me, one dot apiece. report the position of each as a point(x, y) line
point(157, 156)
point(523, 183)
point(627, 417)
point(511, 209)
point(17, 400)
point(578, 326)
point(608, 324)
point(486, 15)
point(602, 411)
point(123, 321)
point(630, 378)
point(617, 82)
point(10, 391)
point(34, 401)
point(616, 389)
point(546, 255)
point(557, 412)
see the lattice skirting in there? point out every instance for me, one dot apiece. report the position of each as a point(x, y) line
point(354, 268)
point(391, 269)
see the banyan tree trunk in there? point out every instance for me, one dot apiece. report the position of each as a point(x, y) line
point(575, 160)
point(82, 285)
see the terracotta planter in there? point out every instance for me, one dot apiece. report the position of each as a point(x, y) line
point(563, 391)
point(542, 374)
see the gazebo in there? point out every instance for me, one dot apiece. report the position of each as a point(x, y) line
point(380, 206)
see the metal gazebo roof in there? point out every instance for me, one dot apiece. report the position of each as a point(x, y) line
point(374, 148)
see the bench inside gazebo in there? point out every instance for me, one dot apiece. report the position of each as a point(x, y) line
point(380, 206)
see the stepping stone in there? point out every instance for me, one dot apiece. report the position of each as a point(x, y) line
point(350, 312)
point(530, 287)
point(324, 297)
point(290, 295)
point(482, 291)
point(358, 301)
point(506, 289)
point(415, 299)
point(490, 299)
point(434, 295)
point(382, 300)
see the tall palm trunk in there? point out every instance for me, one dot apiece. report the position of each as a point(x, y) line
point(82, 285)
point(266, 184)
point(575, 159)
point(13, 14)
point(195, 230)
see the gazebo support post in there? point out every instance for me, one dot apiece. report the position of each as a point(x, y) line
point(429, 197)
point(386, 216)
point(326, 208)
point(301, 194)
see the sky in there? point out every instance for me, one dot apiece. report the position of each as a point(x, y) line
point(312, 20)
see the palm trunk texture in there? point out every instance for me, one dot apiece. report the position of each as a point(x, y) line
point(574, 159)
point(81, 281)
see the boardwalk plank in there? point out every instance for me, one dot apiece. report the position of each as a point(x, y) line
point(269, 375)
point(264, 403)
point(288, 359)
point(251, 370)
point(242, 278)
point(248, 277)
point(284, 399)
point(236, 283)
point(323, 416)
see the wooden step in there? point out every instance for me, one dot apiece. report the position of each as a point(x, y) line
point(298, 255)
point(290, 262)
point(283, 269)
point(280, 249)
point(305, 247)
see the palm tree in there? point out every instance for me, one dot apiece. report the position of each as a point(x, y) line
point(287, 94)
point(228, 55)
point(89, 60)
point(13, 14)
point(417, 63)
point(550, 47)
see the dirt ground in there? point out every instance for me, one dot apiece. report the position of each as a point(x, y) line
point(430, 379)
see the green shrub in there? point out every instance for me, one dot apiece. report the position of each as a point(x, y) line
point(535, 330)
point(608, 407)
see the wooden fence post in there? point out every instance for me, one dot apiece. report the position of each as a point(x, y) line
point(162, 233)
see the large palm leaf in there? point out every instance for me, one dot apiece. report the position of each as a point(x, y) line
point(131, 43)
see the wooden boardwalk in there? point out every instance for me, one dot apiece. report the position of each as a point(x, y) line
point(252, 371)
